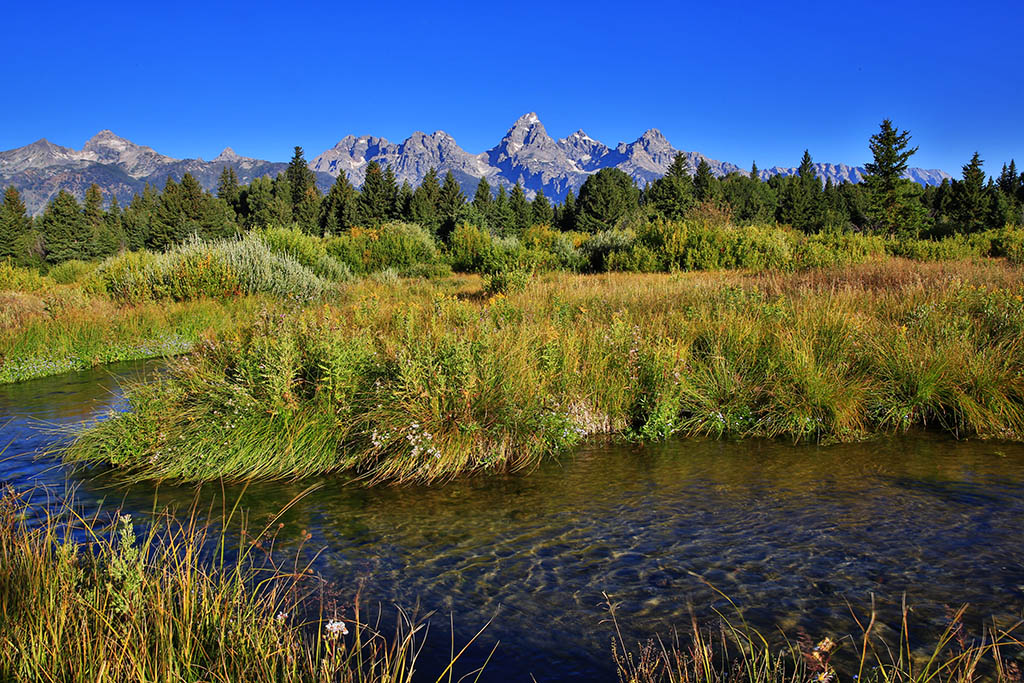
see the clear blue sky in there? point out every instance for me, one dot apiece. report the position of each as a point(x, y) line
point(736, 81)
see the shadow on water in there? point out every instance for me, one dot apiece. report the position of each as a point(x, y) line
point(788, 532)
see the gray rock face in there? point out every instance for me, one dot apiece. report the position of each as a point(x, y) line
point(841, 173)
point(526, 154)
point(120, 167)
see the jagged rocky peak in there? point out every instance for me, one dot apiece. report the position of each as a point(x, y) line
point(653, 138)
point(228, 155)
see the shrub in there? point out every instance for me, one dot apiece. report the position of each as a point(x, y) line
point(468, 248)
point(551, 249)
point(208, 269)
point(393, 245)
point(13, 277)
point(308, 251)
point(507, 281)
point(72, 271)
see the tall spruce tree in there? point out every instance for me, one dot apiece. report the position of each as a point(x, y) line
point(800, 202)
point(706, 187)
point(894, 207)
point(502, 218)
point(425, 199)
point(228, 188)
point(606, 198)
point(450, 203)
point(376, 203)
point(483, 202)
point(673, 194)
point(14, 224)
point(138, 217)
point(519, 206)
point(337, 210)
point(301, 179)
point(970, 201)
point(64, 229)
point(541, 212)
point(567, 213)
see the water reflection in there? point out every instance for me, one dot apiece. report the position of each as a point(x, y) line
point(789, 532)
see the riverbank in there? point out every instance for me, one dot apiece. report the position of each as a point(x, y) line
point(422, 381)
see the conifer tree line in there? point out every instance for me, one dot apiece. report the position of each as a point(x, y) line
point(884, 203)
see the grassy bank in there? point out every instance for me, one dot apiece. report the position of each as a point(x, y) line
point(405, 381)
point(65, 329)
point(86, 600)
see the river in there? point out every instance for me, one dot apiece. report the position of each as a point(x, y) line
point(790, 533)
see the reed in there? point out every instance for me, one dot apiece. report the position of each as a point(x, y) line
point(176, 599)
point(407, 382)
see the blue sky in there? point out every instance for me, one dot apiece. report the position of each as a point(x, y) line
point(736, 81)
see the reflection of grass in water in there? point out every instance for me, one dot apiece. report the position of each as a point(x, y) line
point(82, 600)
point(408, 383)
point(735, 651)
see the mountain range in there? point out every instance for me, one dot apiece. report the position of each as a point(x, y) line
point(526, 154)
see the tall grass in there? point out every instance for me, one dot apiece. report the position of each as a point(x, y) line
point(84, 600)
point(735, 651)
point(414, 384)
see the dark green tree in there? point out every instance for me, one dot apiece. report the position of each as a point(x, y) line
point(228, 188)
point(519, 205)
point(673, 194)
point(894, 206)
point(425, 199)
point(606, 198)
point(65, 233)
point(800, 199)
point(450, 203)
point(300, 178)
point(502, 218)
point(138, 217)
point(404, 202)
point(337, 210)
point(378, 197)
point(14, 224)
point(706, 187)
point(567, 213)
point(970, 201)
point(541, 212)
point(483, 201)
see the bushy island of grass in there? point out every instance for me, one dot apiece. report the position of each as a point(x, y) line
point(415, 380)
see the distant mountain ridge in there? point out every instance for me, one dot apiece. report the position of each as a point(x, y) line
point(527, 154)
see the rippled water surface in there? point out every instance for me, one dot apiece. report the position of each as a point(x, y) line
point(790, 533)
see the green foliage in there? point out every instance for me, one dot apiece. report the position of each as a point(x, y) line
point(200, 268)
point(65, 232)
point(72, 271)
point(185, 210)
point(338, 208)
point(507, 281)
point(392, 245)
point(377, 200)
point(307, 251)
point(14, 224)
point(672, 195)
point(606, 198)
point(894, 203)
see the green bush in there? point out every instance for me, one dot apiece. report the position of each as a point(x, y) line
point(72, 271)
point(468, 248)
point(507, 281)
point(393, 245)
point(199, 268)
point(308, 251)
point(16, 278)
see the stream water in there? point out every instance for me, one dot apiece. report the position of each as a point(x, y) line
point(791, 534)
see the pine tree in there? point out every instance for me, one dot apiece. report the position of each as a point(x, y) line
point(519, 205)
point(706, 187)
point(567, 214)
point(111, 238)
point(541, 211)
point(14, 224)
point(301, 179)
point(502, 217)
point(65, 233)
point(483, 201)
point(970, 201)
point(800, 202)
point(228, 188)
point(376, 203)
point(606, 199)
point(337, 210)
point(138, 217)
point(755, 174)
point(893, 204)
point(425, 198)
point(404, 202)
point(450, 203)
point(95, 220)
point(673, 194)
